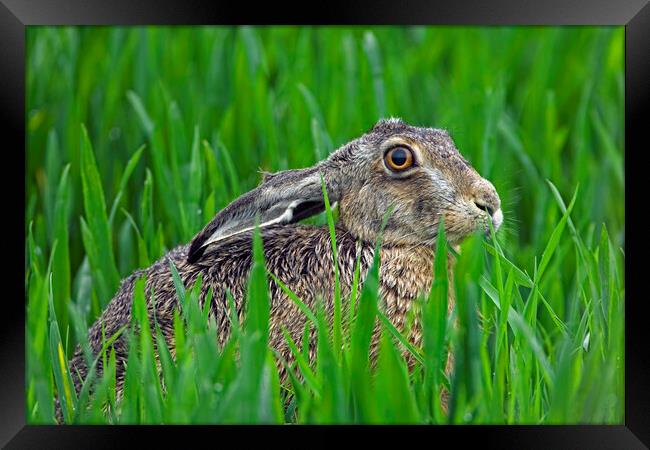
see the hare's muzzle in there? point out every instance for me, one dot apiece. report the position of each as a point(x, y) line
point(487, 200)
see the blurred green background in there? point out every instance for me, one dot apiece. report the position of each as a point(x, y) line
point(214, 105)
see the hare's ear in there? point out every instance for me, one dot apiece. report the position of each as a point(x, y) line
point(282, 198)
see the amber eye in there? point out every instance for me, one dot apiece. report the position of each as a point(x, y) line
point(399, 158)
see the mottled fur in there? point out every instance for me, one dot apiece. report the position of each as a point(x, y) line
point(441, 183)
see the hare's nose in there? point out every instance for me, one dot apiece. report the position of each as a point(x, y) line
point(494, 212)
point(480, 204)
point(487, 199)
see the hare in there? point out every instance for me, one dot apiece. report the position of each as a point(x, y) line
point(416, 171)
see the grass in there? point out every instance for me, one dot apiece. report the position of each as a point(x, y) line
point(137, 136)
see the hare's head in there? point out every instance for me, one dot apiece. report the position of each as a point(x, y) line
point(418, 172)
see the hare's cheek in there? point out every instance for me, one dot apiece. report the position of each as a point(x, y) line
point(453, 220)
point(460, 222)
point(426, 211)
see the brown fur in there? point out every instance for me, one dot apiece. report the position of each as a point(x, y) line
point(442, 184)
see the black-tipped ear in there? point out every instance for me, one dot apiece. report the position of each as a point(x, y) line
point(282, 198)
point(196, 251)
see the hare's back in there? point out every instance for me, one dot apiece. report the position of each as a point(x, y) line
point(299, 255)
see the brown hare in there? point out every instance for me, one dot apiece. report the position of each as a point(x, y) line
point(416, 171)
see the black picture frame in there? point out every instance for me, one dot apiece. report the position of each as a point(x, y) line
point(15, 15)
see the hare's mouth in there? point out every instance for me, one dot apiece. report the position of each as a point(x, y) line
point(497, 220)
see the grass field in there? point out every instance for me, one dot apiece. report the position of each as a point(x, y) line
point(137, 136)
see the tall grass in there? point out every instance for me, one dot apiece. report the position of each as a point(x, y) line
point(137, 136)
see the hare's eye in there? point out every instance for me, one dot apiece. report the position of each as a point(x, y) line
point(399, 158)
